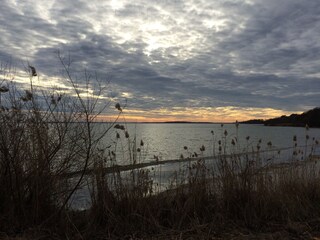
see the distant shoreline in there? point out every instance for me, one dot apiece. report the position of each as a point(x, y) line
point(179, 122)
point(307, 119)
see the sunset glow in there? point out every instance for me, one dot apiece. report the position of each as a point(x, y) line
point(217, 115)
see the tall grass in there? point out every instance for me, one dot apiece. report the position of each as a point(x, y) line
point(45, 137)
point(240, 191)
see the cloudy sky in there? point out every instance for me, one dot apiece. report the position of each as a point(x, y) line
point(218, 60)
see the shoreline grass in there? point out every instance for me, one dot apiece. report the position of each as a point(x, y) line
point(44, 136)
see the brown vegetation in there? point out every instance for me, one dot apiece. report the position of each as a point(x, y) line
point(45, 137)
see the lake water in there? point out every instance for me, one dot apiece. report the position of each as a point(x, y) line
point(167, 141)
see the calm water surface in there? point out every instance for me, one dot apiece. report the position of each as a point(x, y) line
point(167, 141)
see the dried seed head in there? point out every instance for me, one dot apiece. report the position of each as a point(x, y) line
point(294, 138)
point(307, 137)
point(185, 148)
point(138, 150)
point(29, 95)
point(307, 127)
point(202, 149)
point(126, 134)
point(269, 144)
point(247, 138)
point(53, 100)
point(237, 124)
point(117, 106)
point(225, 133)
point(117, 135)
point(233, 142)
point(33, 71)
point(221, 125)
point(4, 89)
point(118, 126)
point(141, 143)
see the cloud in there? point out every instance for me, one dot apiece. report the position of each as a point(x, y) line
point(167, 54)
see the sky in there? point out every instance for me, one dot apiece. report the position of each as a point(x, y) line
point(217, 61)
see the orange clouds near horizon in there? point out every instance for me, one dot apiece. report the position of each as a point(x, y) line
point(219, 114)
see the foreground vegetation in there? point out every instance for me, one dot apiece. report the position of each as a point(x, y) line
point(45, 136)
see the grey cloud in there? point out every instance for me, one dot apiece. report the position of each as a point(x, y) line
point(265, 54)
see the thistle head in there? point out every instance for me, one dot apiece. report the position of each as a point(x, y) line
point(118, 126)
point(202, 148)
point(117, 106)
point(294, 138)
point(126, 134)
point(33, 71)
point(4, 89)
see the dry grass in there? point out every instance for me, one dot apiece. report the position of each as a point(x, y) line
point(45, 137)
